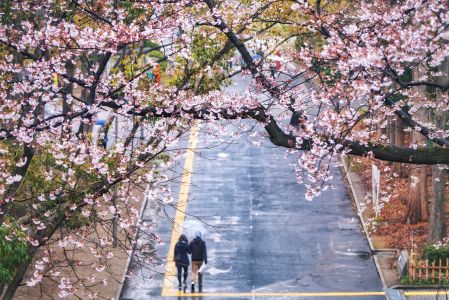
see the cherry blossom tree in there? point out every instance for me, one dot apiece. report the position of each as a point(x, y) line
point(65, 64)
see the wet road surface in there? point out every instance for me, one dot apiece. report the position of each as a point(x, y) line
point(262, 236)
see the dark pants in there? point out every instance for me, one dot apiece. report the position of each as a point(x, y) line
point(180, 267)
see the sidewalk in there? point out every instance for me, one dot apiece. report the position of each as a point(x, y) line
point(83, 270)
point(385, 259)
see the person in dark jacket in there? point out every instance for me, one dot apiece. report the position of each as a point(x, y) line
point(198, 250)
point(181, 259)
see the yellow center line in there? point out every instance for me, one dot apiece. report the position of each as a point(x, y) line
point(426, 293)
point(178, 221)
point(273, 294)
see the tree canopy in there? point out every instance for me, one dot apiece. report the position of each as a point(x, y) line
point(154, 67)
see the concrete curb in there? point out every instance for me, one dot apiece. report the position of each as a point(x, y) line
point(419, 287)
point(128, 261)
point(362, 220)
point(357, 202)
point(394, 294)
point(381, 275)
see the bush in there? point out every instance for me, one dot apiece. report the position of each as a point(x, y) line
point(435, 252)
point(406, 280)
point(13, 250)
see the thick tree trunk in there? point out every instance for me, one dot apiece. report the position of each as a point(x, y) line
point(438, 229)
point(399, 142)
point(391, 130)
point(418, 210)
point(438, 205)
point(17, 280)
point(20, 273)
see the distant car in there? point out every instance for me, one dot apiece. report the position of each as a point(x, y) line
point(256, 57)
point(100, 122)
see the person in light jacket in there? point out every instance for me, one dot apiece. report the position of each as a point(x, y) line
point(199, 256)
point(182, 260)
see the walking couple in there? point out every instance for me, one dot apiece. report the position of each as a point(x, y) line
point(197, 248)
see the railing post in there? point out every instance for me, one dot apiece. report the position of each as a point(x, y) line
point(433, 271)
point(414, 267)
point(447, 268)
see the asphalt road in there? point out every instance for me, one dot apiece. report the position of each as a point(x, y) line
point(261, 233)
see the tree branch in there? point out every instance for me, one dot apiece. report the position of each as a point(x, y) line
point(280, 138)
